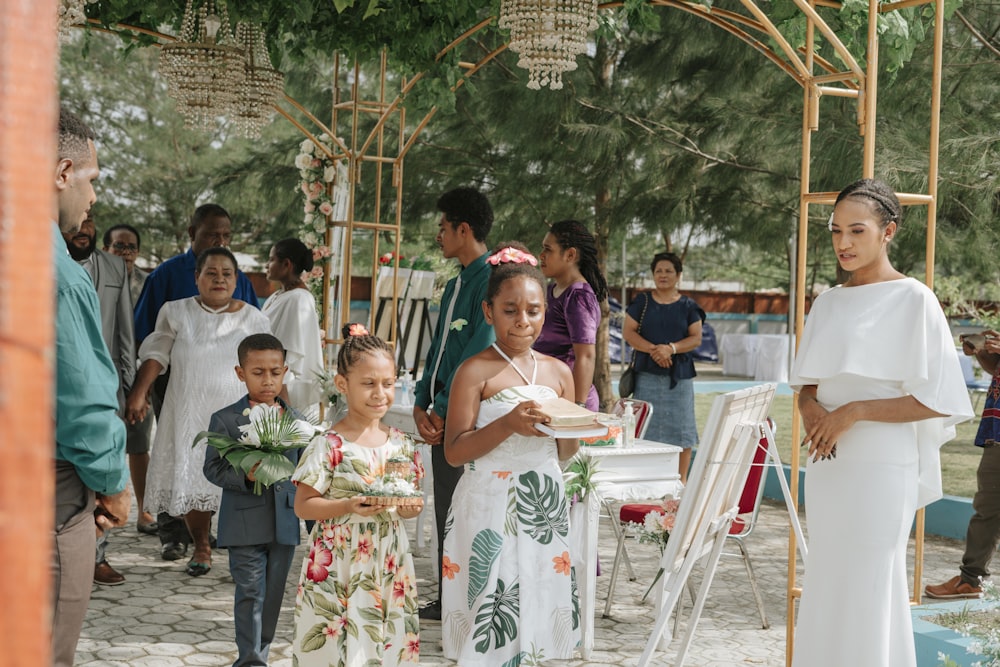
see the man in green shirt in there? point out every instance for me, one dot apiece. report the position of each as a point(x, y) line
point(461, 331)
point(90, 438)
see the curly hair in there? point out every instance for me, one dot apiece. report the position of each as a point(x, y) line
point(470, 206)
point(883, 199)
point(572, 234)
point(504, 271)
point(357, 345)
point(256, 343)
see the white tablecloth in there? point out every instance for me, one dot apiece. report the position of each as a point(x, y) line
point(646, 471)
point(763, 357)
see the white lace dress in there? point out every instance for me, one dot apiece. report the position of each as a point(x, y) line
point(294, 321)
point(200, 349)
point(508, 588)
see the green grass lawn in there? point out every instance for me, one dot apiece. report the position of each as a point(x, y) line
point(959, 458)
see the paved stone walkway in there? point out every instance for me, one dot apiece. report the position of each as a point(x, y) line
point(161, 617)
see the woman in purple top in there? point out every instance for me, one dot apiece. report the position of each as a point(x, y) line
point(569, 259)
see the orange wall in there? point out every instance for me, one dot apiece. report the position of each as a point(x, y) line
point(27, 166)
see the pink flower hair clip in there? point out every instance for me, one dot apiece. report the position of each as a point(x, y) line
point(511, 255)
point(357, 330)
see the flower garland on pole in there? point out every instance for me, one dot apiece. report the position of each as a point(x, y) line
point(317, 171)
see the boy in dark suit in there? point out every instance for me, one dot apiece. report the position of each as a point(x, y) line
point(261, 532)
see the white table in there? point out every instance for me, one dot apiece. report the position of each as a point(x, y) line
point(764, 357)
point(648, 470)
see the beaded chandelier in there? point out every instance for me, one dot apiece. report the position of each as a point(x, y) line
point(548, 35)
point(262, 85)
point(204, 68)
point(69, 15)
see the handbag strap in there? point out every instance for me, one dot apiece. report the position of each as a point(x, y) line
point(638, 329)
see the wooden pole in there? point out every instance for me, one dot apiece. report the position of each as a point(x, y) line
point(932, 189)
point(28, 104)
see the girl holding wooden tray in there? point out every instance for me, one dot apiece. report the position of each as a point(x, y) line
point(357, 596)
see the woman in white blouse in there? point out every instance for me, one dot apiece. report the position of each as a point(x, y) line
point(197, 339)
point(292, 312)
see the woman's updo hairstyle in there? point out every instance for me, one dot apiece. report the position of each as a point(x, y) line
point(883, 200)
point(357, 343)
point(509, 260)
point(296, 252)
point(572, 234)
point(217, 251)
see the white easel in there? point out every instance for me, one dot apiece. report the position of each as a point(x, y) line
point(711, 500)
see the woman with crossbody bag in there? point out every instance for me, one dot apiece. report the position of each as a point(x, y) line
point(663, 366)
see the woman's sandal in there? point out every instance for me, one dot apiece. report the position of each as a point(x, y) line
point(196, 569)
point(150, 528)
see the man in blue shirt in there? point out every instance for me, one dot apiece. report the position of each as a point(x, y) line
point(90, 438)
point(211, 227)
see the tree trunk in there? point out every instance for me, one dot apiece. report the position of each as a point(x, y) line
point(602, 364)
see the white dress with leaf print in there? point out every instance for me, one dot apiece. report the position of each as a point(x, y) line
point(356, 603)
point(509, 592)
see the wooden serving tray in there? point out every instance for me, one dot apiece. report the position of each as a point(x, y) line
point(394, 501)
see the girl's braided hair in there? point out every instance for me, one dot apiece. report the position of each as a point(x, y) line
point(357, 343)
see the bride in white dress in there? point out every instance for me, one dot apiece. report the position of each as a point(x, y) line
point(880, 390)
point(197, 339)
point(508, 591)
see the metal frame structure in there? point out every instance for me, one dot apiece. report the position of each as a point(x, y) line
point(383, 144)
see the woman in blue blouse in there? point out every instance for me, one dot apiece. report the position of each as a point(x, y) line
point(670, 329)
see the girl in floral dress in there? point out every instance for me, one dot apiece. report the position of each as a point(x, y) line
point(357, 598)
point(509, 596)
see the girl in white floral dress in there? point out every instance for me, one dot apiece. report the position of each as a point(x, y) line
point(357, 598)
point(509, 595)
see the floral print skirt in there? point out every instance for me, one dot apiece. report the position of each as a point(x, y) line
point(357, 598)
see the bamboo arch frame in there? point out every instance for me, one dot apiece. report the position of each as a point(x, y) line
point(800, 64)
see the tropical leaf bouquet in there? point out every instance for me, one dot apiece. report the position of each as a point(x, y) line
point(263, 444)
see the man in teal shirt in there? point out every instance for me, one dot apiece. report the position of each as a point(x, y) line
point(461, 331)
point(90, 438)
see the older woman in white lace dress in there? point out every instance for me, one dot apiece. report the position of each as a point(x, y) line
point(197, 339)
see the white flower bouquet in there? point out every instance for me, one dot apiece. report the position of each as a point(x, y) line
point(263, 444)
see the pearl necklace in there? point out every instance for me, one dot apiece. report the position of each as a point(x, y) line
point(214, 311)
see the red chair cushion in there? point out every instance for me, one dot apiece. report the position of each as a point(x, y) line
point(637, 513)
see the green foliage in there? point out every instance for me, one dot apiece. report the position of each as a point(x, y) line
point(496, 618)
point(541, 507)
point(900, 30)
point(486, 547)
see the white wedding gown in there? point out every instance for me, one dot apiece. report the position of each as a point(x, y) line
point(883, 340)
point(200, 349)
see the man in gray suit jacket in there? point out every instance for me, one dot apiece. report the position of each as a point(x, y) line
point(123, 241)
point(111, 282)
